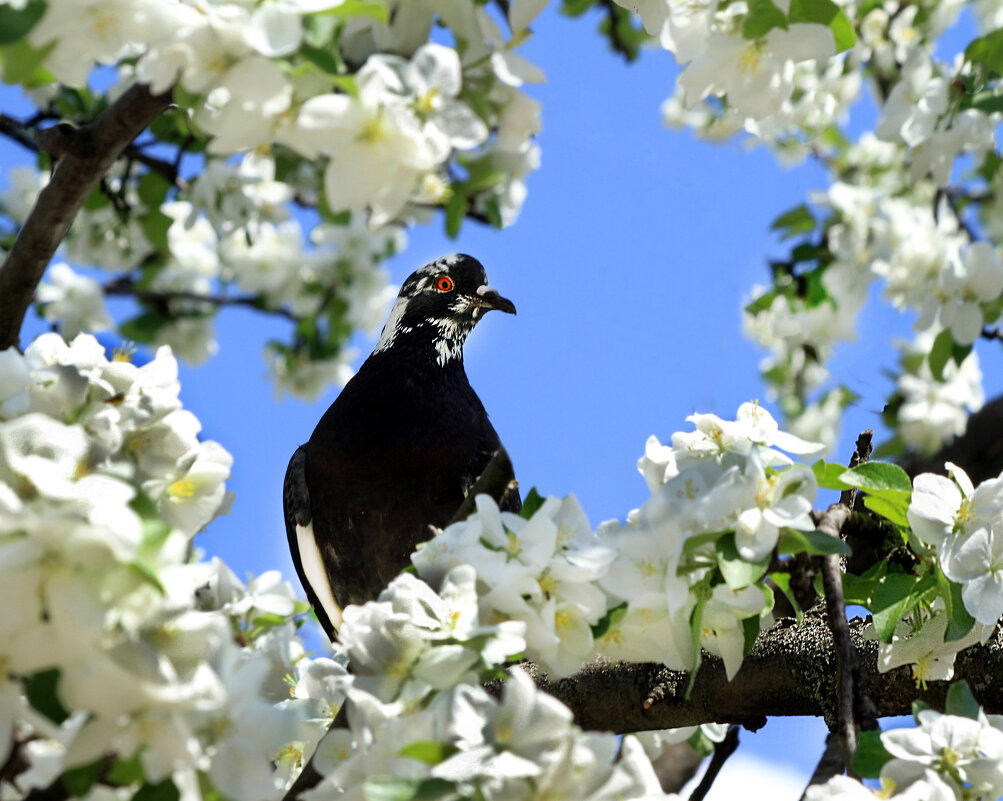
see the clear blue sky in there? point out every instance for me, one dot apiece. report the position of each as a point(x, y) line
point(629, 266)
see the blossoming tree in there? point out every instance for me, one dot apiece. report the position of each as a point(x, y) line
point(172, 140)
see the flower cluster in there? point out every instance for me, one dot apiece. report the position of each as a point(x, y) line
point(946, 756)
point(897, 208)
point(418, 716)
point(465, 743)
point(277, 72)
point(172, 665)
point(964, 524)
point(916, 245)
point(692, 558)
point(344, 110)
point(232, 235)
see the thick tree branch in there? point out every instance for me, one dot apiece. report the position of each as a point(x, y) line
point(89, 152)
point(791, 670)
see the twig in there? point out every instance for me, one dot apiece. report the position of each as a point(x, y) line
point(160, 298)
point(831, 764)
point(992, 333)
point(56, 141)
point(722, 751)
point(850, 677)
point(95, 148)
point(832, 584)
point(309, 777)
point(14, 129)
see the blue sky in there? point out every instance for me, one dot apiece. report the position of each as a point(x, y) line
point(628, 266)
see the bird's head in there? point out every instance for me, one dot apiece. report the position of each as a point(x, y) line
point(439, 305)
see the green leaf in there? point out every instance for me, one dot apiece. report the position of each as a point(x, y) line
point(961, 702)
point(79, 780)
point(359, 8)
point(155, 530)
point(959, 622)
point(456, 210)
point(917, 707)
point(701, 743)
point(894, 597)
point(811, 542)
point(143, 328)
point(762, 18)
point(145, 571)
point(155, 224)
point(44, 698)
point(347, 84)
point(827, 475)
point(328, 60)
point(860, 590)
point(696, 542)
point(750, 628)
point(575, 8)
point(960, 352)
point(988, 101)
point(878, 477)
point(607, 621)
point(269, 620)
point(825, 12)
point(161, 791)
point(431, 752)
point(393, 788)
point(22, 64)
point(696, 636)
point(987, 50)
point(152, 189)
point(894, 510)
point(126, 771)
point(534, 500)
point(762, 303)
point(940, 353)
point(15, 24)
point(97, 199)
point(736, 571)
point(871, 755)
point(783, 581)
point(794, 221)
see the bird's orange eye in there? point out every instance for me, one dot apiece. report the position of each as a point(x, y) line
point(444, 284)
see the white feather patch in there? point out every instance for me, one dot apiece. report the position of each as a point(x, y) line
point(392, 328)
point(316, 575)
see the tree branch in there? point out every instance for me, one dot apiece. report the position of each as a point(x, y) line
point(722, 751)
point(831, 764)
point(852, 693)
point(91, 150)
point(24, 134)
point(835, 608)
point(791, 670)
point(160, 298)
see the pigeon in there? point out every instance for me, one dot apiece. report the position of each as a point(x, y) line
point(400, 449)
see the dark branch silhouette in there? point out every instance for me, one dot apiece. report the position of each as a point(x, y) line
point(85, 154)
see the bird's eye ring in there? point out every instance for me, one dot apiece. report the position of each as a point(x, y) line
point(444, 284)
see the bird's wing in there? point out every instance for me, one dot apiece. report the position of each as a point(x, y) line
point(497, 479)
point(303, 544)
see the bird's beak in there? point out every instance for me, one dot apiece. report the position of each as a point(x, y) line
point(488, 298)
